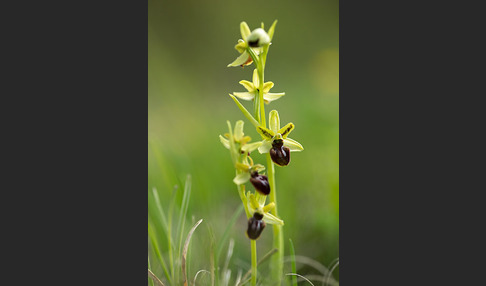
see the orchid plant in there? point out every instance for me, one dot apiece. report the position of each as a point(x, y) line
point(275, 143)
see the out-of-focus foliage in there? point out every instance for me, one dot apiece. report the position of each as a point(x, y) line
point(190, 44)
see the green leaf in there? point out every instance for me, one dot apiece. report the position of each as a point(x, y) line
point(292, 257)
point(225, 236)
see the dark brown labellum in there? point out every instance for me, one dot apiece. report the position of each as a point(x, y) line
point(255, 228)
point(258, 216)
point(254, 43)
point(260, 182)
point(279, 153)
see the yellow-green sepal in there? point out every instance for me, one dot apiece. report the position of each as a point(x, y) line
point(274, 121)
point(244, 30)
point(242, 59)
point(242, 178)
point(224, 141)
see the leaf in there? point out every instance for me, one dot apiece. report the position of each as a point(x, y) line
point(184, 251)
point(292, 257)
point(155, 278)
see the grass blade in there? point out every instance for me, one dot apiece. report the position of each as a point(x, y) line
point(330, 272)
point(155, 246)
point(183, 211)
point(292, 257)
point(150, 270)
point(230, 225)
point(184, 252)
point(195, 276)
point(295, 274)
point(155, 278)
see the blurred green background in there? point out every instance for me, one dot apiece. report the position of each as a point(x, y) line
point(190, 43)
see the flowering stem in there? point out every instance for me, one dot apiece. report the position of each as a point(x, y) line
point(278, 242)
point(253, 262)
point(260, 95)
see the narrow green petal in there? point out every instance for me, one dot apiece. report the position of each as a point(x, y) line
point(251, 147)
point(267, 86)
point(238, 132)
point(242, 167)
point(268, 134)
point(242, 178)
point(224, 141)
point(272, 30)
point(245, 95)
point(265, 147)
point(269, 207)
point(248, 85)
point(245, 112)
point(269, 97)
point(253, 202)
point(293, 145)
point(274, 120)
point(271, 219)
point(256, 80)
point(243, 58)
point(285, 131)
point(258, 167)
point(261, 200)
point(245, 30)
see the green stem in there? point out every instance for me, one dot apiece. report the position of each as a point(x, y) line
point(260, 94)
point(278, 242)
point(253, 262)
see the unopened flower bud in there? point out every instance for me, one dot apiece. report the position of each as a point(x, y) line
point(279, 153)
point(260, 182)
point(258, 38)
